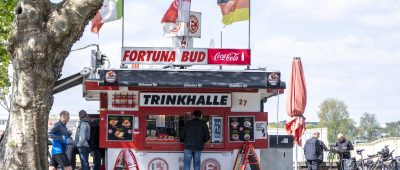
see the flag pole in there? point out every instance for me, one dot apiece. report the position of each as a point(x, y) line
point(248, 67)
point(123, 31)
point(123, 23)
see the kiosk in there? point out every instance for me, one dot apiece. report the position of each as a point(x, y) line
point(143, 112)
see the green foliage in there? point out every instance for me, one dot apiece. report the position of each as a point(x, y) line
point(369, 127)
point(6, 18)
point(392, 129)
point(333, 114)
point(280, 124)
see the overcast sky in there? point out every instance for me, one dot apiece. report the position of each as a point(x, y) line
point(349, 49)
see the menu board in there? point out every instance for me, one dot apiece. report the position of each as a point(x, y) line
point(120, 128)
point(216, 136)
point(241, 128)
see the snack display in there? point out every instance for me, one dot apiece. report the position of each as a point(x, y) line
point(113, 122)
point(119, 128)
point(126, 123)
point(234, 124)
point(241, 128)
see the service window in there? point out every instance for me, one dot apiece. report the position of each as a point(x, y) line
point(164, 128)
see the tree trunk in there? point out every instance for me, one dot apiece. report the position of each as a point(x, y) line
point(42, 37)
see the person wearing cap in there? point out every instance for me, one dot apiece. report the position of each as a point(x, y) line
point(313, 151)
point(194, 135)
point(82, 136)
point(344, 146)
point(59, 135)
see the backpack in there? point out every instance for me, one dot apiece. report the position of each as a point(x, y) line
point(94, 133)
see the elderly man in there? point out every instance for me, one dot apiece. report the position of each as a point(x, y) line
point(313, 151)
point(344, 146)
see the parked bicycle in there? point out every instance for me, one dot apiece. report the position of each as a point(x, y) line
point(364, 163)
point(385, 160)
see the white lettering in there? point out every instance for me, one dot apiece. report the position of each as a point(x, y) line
point(230, 57)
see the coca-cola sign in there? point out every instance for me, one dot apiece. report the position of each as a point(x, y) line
point(229, 56)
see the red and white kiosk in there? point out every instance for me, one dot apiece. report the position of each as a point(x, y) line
point(143, 112)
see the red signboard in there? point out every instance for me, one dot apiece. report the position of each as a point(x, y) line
point(229, 56)
point(184, 56)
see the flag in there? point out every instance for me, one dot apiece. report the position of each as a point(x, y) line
point(169, 19)
point(178, 11)
point(184, 10)
point(110, 11)
point(234, 10)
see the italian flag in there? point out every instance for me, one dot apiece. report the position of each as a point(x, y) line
point(110, 11)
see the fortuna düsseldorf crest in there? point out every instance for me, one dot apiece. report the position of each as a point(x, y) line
point(193, 24)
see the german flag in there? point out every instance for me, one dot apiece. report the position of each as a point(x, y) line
point(234, 10)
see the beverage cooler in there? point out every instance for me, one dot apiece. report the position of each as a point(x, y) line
point(143, 113)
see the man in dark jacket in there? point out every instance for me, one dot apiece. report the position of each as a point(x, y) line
point(344, 146)
point(194, 135)
point(313, 151)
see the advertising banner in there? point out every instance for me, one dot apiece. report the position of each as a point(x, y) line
point(164, 56)
point(229, 56)
point(184, 56)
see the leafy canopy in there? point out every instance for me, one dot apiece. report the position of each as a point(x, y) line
point(333, 114)
point(6, 17)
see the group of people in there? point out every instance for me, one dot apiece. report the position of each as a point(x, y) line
point(65, 148)
point(313, 150)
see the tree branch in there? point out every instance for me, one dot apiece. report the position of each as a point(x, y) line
point(71, 18)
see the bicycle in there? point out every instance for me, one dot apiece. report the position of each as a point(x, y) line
point(364, 164)
point(385, 160)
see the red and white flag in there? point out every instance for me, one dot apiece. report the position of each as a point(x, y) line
point(179, 10)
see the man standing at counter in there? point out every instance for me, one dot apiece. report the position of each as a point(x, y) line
point(194, 135)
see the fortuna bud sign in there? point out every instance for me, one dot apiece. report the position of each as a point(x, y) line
point(185, 56)
point(185, 99)
point(164, 56)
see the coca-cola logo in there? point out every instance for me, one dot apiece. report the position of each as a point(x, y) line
point(230, 57)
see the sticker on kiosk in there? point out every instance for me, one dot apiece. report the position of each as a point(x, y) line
point(241, 128)
point(120, 128)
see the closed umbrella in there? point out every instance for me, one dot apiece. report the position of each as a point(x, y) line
point(296, 103)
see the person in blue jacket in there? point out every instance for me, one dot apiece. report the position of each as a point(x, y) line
point(59, 135)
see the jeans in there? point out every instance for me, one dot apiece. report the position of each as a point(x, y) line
point(84, 155)
point(96, 158)
point(187, 159)
point(312, 165)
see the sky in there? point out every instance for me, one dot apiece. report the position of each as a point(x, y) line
point(349, 49)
